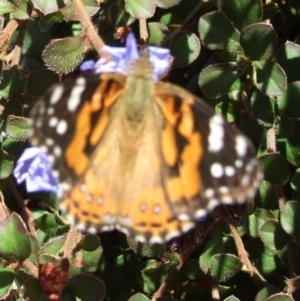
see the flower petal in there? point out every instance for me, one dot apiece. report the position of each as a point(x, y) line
point(121, 58)
point(34, 167)
point(161, 60)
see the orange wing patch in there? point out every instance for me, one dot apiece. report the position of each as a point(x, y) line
point(87, 135)
point(181, 149)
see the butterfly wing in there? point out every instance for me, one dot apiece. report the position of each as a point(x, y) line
point(85, 108)
point(206, 162)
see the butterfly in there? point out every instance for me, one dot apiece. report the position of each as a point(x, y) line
point(147, 158)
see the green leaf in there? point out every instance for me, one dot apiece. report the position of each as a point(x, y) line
point(266, 292)
point(138, 297)
point(216, 80)
point(92, 252)
point(227, 110)
point(273, 235)
point(31, 290)
point(125, 266)
point(280, 297)
point(188, 42)
point(232, 298)
point(258, 41)
point(192, 270)
point(10, 84)
point(166, 3)
point(7, 277)
point(242, 12)
point(276, 169)
point(140, 9)
point(289, 102)
point(24, 10)
point(263, 108)
point(270, 78)
point(290, 217)
point(225, 266)
point(15, 243)
point(64, 55)
point(157, 33)
point(38, 82)
point(49, 6)
point(257, 219)
point(6, 164)
point(266, 260)
point(7, 7)
point(214, 246)
point(118, 16)
point(69, 12)
point(284, 127)
point(216, 32)
point(295, 180)
point(155, 276)
point(84, 288)
point(147, 250)
point(17, 128)
point(53, 246)
point(46, 22)
point(270, 10)
point(266, 197)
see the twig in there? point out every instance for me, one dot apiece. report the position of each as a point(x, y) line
point(88, 27)
point(144, 35)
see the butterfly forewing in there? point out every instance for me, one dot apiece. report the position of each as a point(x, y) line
point(70, 120)
point(206, 162)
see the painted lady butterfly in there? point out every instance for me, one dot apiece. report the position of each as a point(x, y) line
point(143, 157)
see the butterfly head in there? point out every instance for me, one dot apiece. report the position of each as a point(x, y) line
point(142, 66)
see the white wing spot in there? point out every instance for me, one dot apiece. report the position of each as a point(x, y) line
point(56, 94)
point(143, 207)
point(61, 127)
point(229, 171)
point(241, 145)
point(216, 170)
point(183, 217)
point(245, 180)
point(200, 214)
point(223, 189)
point(53, 121)
point(82, 188)
point(50, 111)
point(156, 240)
point(75, 95)
point(238, 163)
point(127, 221)
point(209, 193)
point(49, 141)
point(92, 230)
point(216, 134)
point(213, 203)
point(226, 199)
point(57, 151)
point(156, 209)
point(100, 200)
point(140, 238)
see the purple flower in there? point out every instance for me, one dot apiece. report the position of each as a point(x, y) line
point(123, 56)
point(35, 168)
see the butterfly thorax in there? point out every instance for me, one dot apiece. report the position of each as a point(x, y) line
point(138, 95)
